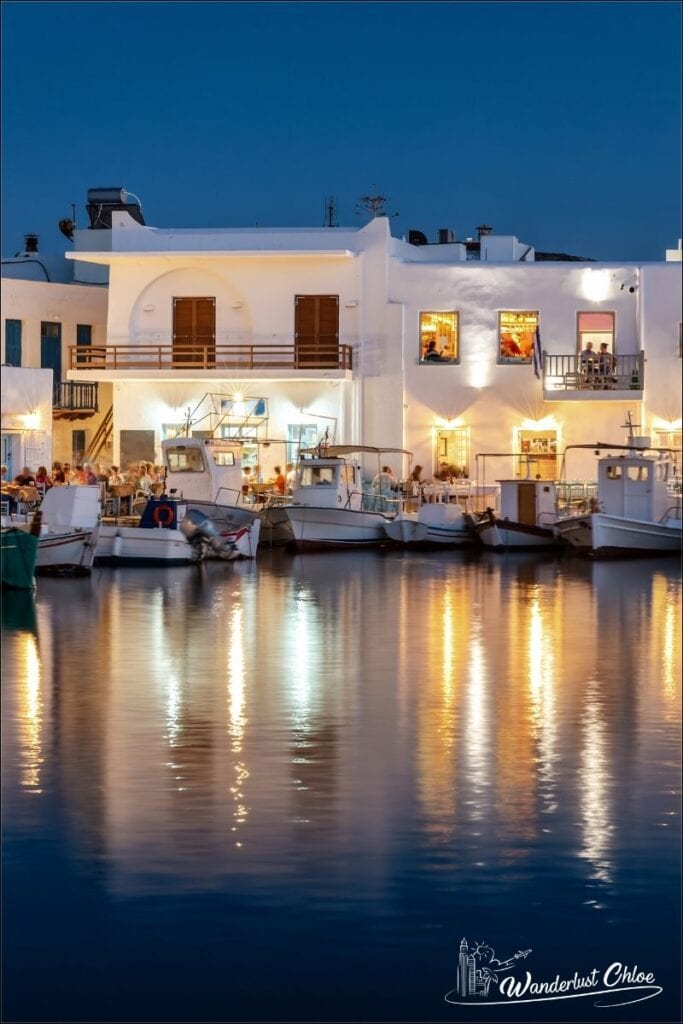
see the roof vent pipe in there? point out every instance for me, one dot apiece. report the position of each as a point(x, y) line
point(484, 229)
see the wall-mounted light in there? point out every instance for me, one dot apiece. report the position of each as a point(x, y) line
point(149, 308)
point(31, 420)
point(351, 304)
point(595, 285)
point(237, 305)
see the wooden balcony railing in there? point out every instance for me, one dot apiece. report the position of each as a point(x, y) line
point(210, 356)
point(570, 373)
point(73, 396)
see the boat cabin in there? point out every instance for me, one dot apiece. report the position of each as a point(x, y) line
point(635, 486)
point(203, 469)
point(529, 502)
point(328, 482)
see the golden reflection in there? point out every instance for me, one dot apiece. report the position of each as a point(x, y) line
point(237, 716)
point(542, 670)
point(30, 713)
point(666, 608)
point(448, 606)
point(477, 754)
point(594, 781)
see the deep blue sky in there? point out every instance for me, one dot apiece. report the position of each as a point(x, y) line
point(557, 122)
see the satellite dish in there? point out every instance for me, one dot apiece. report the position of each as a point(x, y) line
point(66, 226)
point(416, 238)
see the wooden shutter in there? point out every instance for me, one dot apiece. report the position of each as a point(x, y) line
point(194, 332)
point(13, 342)
point(316, 330)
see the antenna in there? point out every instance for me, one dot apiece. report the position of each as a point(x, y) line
point(375, 204)
point(330, 212)
point(630, 425)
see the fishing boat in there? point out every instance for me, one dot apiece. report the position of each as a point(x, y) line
point(18, 554)
point(437, 524)
point(330, 508)
point(69, 528)
point(638, 507)
point(206, 473)
point(168, 533)
point(528, 510)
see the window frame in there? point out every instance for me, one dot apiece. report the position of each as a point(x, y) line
point(520, 360)
point(451, 361)
point(612, 345)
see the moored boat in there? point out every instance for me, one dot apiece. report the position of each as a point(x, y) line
point(168, 534)
point(329, 507)
point(636, 513)
point(68, 532)
point(528, 510)
point(18, 555)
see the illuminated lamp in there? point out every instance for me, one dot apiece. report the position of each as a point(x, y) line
point(595, 285)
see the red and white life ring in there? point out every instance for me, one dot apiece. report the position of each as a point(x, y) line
point(164, 515)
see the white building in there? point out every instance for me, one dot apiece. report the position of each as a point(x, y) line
point(279, 335)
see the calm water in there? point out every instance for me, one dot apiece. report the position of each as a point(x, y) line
point(286, 791)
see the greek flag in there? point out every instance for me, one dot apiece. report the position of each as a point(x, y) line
point(537, 354)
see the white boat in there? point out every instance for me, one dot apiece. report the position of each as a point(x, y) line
point(329, 507)
point(636, 511)
point(433, 525)
point(206, 474)
point(528, 510)
point(168, 534)
point(69, 529)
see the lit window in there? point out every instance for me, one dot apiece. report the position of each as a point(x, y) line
point(184, 460)
point(313, 475)
point(516, 334)
point(596, 328)
point(667, 438)
point(439, 338)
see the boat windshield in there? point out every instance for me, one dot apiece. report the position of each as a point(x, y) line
point(184, 460)
point(312, 475)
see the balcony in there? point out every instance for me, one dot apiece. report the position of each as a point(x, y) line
point(73, 400)
point(210, 356)
point(565, 378)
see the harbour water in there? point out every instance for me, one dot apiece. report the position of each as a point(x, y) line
point(286, 790)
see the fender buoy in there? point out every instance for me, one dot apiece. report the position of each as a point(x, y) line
point(164, 515)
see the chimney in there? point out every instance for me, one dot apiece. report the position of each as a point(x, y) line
point(484, 229)
point(30, 243)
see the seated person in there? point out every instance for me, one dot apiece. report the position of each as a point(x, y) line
point(25, 479)
point(431, 355)
point(605, 361)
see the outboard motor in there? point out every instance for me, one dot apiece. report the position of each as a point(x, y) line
point(199, 530)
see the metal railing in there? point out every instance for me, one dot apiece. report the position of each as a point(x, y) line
point(75, 395)
point(571, 373)
point(210, 356)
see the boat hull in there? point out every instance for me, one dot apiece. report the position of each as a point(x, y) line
point(235, 522)
point(18, 556)
point(607, 536)
point(134, 545)
point(314, 527)
point(69, 551)
point(505, 535)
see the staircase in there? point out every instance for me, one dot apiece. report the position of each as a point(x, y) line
point(101, 437)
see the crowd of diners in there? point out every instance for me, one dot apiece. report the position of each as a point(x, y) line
point(140, 479)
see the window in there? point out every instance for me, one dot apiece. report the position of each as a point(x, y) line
point(316, 330)
point(13, 342)
point(439, 338)
point(637, 472)
point(452, 448)
point(539, 454)
point(596, 328)
point(224, 458)
point(313, 475)
point(667, 438)
point(83, 337)
point(516, 334)
point(184, 460)
point(77, 447)
point(300, 435)
point(614, 472)
point(194, 332)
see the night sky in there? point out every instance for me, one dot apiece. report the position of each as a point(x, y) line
point(556, 122)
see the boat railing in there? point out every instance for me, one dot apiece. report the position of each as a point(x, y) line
point(673, 512)
point(576, 497)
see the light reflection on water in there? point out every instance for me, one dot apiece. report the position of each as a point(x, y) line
point(351, 735)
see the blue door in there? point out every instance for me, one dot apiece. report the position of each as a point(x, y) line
point(13, 342)
point(51, 349)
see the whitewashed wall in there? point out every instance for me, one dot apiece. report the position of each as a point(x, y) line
point(26, 402)
point(68, 304)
